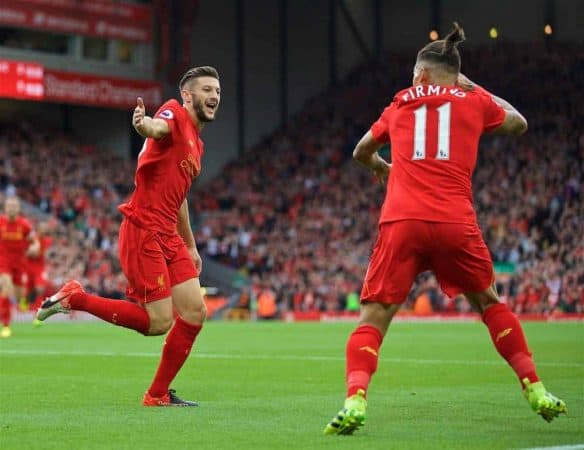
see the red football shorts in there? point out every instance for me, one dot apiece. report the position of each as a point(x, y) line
point(14, 268)
point(36, 278)
point(455, 252)
point(153, 263)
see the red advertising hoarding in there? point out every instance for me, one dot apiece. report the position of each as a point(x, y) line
point(96, 18)
point(23, 80)
point(90, 90)
point(115, 9)
point(31, 81)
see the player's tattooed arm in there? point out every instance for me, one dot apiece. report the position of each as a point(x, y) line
point(366, 153)
point(464, 82)
point(514, 124)
point(148, 127)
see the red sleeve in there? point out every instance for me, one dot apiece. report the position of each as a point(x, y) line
point(493, 114)
point(380, 128)
point(169, 112)
point(27, 227)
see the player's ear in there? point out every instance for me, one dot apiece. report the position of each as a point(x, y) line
point(418, 76)
point(424, 76)
point(186, 96)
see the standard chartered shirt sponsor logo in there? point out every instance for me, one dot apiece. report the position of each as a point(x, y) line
point(190, 165)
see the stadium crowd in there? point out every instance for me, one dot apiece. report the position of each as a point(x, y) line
point(307, 234)
point(299, 217)
point(73, 186)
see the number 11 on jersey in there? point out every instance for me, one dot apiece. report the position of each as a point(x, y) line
point(420, 116)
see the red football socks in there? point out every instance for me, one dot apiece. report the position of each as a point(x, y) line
point(509, 340)
point(362, 356)
point(119, 312)
point(5, 311)
point(175, 351)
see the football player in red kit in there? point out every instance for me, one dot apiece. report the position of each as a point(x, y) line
point(36, 273)
point(428, 220)
point(157, 249)
point(17, 240)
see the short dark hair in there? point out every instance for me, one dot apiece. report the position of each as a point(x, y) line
point(197, 72)
point(444, 52)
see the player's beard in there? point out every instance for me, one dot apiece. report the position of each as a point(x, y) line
point(199, 107)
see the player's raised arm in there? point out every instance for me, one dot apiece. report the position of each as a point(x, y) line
point(146, 126)
point(514, 124)
point(366, 153)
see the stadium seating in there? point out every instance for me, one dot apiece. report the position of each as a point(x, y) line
point(78, 188)
point(298, 216)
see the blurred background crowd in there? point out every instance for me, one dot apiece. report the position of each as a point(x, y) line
point(298, 218)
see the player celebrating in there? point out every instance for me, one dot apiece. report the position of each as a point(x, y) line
point(17, 240)
point(428, 220)
point(157, 249)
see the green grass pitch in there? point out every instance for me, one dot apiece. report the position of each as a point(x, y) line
point(73, 385)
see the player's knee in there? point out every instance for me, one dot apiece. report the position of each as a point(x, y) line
point(483, 300)
point(159, 325)
point(196, 314)
point(486, 302)
point(378, 315)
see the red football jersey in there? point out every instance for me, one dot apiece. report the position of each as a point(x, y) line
point(166, 168)
point(434, 133)
point(14, 237)
point(37, 263)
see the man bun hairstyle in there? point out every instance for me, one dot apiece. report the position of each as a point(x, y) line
point(453, 39)
point(445, 51)
point(197, 72)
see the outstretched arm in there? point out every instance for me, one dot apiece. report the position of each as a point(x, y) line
point(514, 124)
point(148, 127)
point(366, 154)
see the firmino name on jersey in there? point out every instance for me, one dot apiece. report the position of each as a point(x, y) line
point(429, 89)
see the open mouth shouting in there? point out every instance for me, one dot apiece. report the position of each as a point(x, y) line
point(211, 106)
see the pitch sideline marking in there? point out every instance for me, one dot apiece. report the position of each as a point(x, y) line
point(273, 357)
point(561, 447)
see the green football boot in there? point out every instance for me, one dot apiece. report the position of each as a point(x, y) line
point(544, 403)
point(351, 417)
